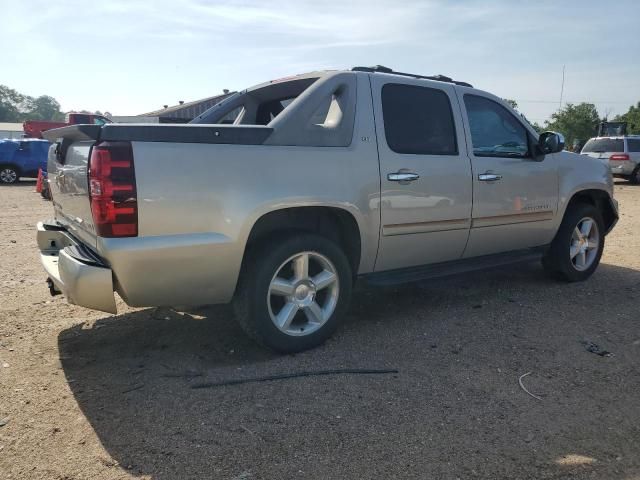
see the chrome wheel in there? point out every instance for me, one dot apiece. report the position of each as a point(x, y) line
point(8, 175)
point(585, 241)
point(303, 293)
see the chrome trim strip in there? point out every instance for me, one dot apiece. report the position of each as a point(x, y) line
point(523, 217)
point(426, 227)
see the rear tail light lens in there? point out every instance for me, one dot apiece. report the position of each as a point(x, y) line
point(622, 157)
point(112, 189)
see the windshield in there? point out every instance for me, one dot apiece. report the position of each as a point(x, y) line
point(601, 145)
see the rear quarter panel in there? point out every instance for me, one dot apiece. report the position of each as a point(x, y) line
point(197, 204)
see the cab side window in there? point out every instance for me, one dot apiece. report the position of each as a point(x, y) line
point(418, 120)
point(495, 132)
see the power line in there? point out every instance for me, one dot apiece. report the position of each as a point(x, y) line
point(562, 87)
point(574, 101)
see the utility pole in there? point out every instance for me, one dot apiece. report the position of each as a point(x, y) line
point(562, 87)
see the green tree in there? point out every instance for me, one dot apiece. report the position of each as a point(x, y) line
point(17, 107)
point(576, 122)
point(632, 117)
point(44, 108)
point(11, 103)
point(512, 103)
point(538, 128)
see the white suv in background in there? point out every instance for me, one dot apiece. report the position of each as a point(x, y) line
point(622, 154)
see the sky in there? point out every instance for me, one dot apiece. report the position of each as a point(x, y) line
point(130, 57)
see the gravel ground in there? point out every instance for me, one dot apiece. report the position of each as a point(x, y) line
point(87, 395)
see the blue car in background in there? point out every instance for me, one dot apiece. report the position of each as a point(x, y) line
point(22, 158)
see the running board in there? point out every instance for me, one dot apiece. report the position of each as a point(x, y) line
point(454, 267)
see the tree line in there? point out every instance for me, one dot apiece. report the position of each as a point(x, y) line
point(18, 107)
point(577, 122)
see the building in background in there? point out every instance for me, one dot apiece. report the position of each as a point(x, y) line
point(181, 113)
point(11, 130)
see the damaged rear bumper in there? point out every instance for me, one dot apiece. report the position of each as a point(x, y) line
point(74, 270)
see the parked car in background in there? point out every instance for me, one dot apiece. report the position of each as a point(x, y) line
point(22, 158)
point(621, 153)
point(34, 128)
point(320, 179)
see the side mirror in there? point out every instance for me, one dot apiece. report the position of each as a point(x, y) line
point(550, 142)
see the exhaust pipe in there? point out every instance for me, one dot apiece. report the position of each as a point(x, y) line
point(52, 288)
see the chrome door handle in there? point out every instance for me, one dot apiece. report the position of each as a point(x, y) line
point(402, 177)
point(489, 177)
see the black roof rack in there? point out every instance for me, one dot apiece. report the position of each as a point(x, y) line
point(382, 69)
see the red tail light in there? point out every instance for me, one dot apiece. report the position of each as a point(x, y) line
point(622, 157)
point(112, 189)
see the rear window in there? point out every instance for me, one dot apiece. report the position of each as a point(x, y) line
point(418, 120)
point(601, 145)
point(257, 105)
point(633, 144)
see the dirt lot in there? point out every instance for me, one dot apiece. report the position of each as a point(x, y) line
point(85, 395)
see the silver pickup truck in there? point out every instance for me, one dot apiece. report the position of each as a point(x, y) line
point(280, 196)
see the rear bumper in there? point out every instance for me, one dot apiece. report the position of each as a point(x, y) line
point(80, 275)
point(185, 270)
point(622, 168)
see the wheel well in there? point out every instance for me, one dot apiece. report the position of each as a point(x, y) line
point(12, 165)
point(335, 224)
point(599, 199)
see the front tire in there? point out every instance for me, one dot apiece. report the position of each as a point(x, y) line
point(9, 175)
point(293, 292)
point(577, 248)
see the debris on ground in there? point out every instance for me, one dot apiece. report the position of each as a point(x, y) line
point(525, 388)
point(186, 374)
point(353, 371)
point(594, 348)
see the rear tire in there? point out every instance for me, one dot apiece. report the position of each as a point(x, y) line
point(293, 292)
point(577, 247)
point(9, 174)
point(635, 176)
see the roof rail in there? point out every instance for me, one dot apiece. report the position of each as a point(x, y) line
point(383, 69)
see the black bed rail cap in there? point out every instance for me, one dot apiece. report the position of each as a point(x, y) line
point(383, 69)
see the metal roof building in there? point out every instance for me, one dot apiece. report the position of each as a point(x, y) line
point(184, 112)
point(11, 130)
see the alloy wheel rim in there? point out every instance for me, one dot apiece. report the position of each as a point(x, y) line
point(8, 176)
point(303, 293)
point(584, 244)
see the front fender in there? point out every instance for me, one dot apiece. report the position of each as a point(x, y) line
point(581, 175)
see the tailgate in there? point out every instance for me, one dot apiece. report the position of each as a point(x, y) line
point(67, 167)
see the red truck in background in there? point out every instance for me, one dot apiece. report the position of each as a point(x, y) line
point(34, 128)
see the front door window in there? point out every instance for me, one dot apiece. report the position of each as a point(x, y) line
point(495, 132)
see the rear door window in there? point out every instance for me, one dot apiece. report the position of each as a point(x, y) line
point(633, 144)
point(418, 120)
point(602, 145)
